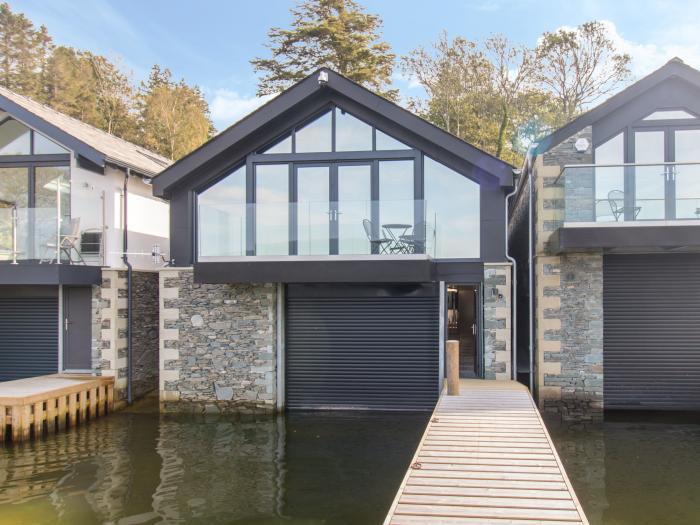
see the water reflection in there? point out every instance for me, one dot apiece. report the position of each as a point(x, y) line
point(634, 468)
point(140, 468)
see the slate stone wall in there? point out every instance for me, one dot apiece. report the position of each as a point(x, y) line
point(110, 302)
point(497, 321)
point(568, 291)
point(218, 345)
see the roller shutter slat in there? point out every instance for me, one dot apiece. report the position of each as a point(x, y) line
point(28, 337)
point(651, 306)
point(356, 349)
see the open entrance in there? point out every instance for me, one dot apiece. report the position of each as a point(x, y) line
point(462, 326)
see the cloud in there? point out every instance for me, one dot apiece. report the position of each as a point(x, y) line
point(228, 106)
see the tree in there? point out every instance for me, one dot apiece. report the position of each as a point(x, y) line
point(336, 34)
point(480, 91)
point(23, 52)
point(174, 117)
point(579, 66)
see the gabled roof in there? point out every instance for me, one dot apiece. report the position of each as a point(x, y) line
point(309, 87)
point(95, 145)
point(673, 68)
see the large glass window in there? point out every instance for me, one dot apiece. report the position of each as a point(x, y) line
point(313, 210)
point(351, 134)
point(669, 114)
point(222, 216)
point(687, 173)
point(14, 138)
point(316, 136)
point(609, 179)
point(354, 208)
point(272, 209)
point(649, 179)
point(385, 142)
point(396, 198)
point(452, 204)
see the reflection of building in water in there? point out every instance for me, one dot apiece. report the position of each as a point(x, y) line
point(582, 449)
point(92, 474)
point(220, 467)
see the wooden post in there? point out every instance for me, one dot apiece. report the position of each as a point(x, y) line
point(93, 403)
point(452, 367)
point(38, 419)
point(62, 412)
point(16, 420)
point(51, 415)
point(3, 423)
point(72, 409)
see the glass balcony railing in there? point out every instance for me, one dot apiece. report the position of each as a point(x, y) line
point(42, 235)
point(398, 227)
point(631, 192)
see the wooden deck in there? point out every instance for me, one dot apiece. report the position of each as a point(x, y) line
point(46, 404)
point(486, 457)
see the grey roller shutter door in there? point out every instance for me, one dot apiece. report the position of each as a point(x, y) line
point(28, 337)
point(362, 347)
point(652, 331)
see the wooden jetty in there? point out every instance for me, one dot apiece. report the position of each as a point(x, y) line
point(46, 404)
point(486, 457)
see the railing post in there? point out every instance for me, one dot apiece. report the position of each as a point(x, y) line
point(452, 367)
point(14, 234)
point(59, 180)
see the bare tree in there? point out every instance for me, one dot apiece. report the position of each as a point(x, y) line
point(579, 66)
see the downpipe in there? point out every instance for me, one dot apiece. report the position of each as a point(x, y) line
point(513, 297)
point(129, 272)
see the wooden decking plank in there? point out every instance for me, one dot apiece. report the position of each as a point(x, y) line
point(486, 457)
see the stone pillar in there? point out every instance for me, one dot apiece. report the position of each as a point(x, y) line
point(497, 321)
point(217, 345)
point(113, 360)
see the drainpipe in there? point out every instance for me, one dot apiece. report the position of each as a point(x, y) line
point(513, 297)
point(125, 258)
point(531, 270)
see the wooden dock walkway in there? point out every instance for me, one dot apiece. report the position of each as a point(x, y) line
point(46, 404)
point(486, 457)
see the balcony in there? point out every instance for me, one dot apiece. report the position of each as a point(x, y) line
point(630, 206)
point(43, 235)
point(330, 241)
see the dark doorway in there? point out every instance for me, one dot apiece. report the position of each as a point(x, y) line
point(77, 328)
point(462, 326)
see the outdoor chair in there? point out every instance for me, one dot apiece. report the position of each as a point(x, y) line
point(415, 241)
point(67, 245)
point(616, 200)
point(382, 244)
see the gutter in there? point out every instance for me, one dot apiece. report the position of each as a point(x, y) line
point(129, 271)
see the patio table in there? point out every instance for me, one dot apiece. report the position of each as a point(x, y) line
point(392, 229)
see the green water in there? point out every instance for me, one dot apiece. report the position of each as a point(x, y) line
point(138, 468)
point(634, 468)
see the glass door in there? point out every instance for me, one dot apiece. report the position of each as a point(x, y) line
point(314, 214)
point(686, 177)
point(649, 180)
point(354, 217)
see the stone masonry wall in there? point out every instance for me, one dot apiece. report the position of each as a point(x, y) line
point(217, 345)
point(497, 321)
point(111, 310)
point(568, 297)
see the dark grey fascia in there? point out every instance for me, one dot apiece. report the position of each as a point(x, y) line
point(29, 273)
point(51, 131)
point(363, 271)
point(280, 112)
point(619, 238)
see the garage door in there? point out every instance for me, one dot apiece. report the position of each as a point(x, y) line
point(364, 347)
point(652, 331)
point(28, 333)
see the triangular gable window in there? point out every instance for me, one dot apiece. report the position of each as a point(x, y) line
point(15, 139)
point(351, 134)
point(670, 114)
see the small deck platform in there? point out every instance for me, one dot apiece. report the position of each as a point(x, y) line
point(486, 457)
point(46, 404)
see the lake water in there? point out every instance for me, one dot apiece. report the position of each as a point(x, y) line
point(634, 468)
point(135, 467)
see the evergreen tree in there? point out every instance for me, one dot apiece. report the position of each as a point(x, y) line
point(174, 117)
point(336, 34)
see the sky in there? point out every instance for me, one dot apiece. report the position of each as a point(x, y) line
point(210, 42)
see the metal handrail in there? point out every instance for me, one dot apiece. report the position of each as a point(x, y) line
point(624, 165)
